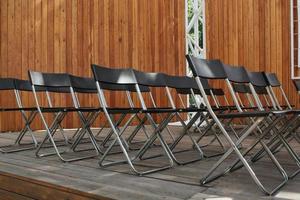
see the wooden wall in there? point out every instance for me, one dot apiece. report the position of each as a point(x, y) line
point(69, 35)
point(252, 33)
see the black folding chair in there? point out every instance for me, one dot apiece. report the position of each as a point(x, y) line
point(215, 70)
point(287, 124)
point(27, 113)
point(159, 80)
point(84, 86)
point(279, 123)
point(129, 90)
point(55, 82)
point(181, 84)
point(127, 77)
point(297, 85)
point(273, 82)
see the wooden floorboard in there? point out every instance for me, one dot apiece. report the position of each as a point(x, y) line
point(25, 176)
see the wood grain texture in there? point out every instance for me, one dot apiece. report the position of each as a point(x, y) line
point(69, 35)
point(24, 174)
point(252, 33)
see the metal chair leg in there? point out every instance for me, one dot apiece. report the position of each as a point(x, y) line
point(18, 146)
point(129, 160)
point(207, 178)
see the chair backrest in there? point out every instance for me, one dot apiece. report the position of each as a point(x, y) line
point(18, 84)
point(257, 79)
point(116, 80)
point(121, 79)
point(218, 91)
point(180, 82)
point(208, 69)
point(143, 88)
point(184, 84)
point(237, 74)
point(7, 83)
point(297, 85)
point(241, 88)
point(205, 84)
point(50, 80)
point(123, 87)
point(83, 84)
point(23, 85)
point(261, 90)
point(113, 76)
point(150, 79)
point(216, 70)
point(272, 79)
point(185, 91)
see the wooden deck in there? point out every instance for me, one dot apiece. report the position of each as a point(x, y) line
point(23, 176)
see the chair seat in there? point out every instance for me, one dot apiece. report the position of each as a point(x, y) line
point(161, 110)
point(243, 114)
point(193, 109)
point(18, 109)
point(123, 110)
point(68, 109)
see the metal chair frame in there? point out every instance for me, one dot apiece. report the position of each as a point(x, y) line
point(214, 69)
point(121, 77)
point(61, 81)
point(27, 118)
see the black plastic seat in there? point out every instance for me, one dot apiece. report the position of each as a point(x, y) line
point(18, 109)
point(68, 109)
point(244, 114)
point(122, 110)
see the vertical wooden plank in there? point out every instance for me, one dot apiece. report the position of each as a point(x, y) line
point(75, 54)
point(4, 46)
point(18, 54)
point(62, 50)
point(256, 32)
point(86, 43)
point(240, 29)
point(250, 40)
point(226, 29)
point(95, 30)
point(108, 18)
point(268, 34)
point(38, 35)
point(50, 35)
point(25, 51)
point(1, 19)
point(262, 35)
point(232, 36)
point(31, 47)
point(208, 24)
point(235, 47)
point(11, 54)
point(38, 51)
point(286, 54)
point(245, 32)
point(44, 17)
point(278, 68)
point(273, 50)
